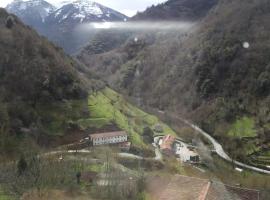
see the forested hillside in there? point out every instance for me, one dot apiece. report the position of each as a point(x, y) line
point(38, 83)
point(217, 73)
point(190, 10)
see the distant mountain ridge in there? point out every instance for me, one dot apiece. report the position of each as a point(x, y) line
point(59, 23)
point(190, 10)
point(32, 12)
point(81, 11)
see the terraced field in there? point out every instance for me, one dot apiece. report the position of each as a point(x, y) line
point(261, 160)
point(109, 107)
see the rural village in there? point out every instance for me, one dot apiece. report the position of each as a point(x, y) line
point(166, 146)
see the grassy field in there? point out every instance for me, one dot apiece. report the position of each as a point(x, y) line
point(3, 196)
point(96, 168)
point(107, 107)
point(244, 127)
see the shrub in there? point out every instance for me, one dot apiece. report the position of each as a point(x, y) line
point(9, 22)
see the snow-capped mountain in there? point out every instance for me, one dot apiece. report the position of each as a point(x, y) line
point(31, 12)
point(59, 22)
point(81, 11)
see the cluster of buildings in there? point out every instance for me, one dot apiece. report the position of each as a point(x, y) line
point(171, 146)
point(168, 144)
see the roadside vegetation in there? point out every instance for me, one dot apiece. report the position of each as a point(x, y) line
point(244, 127)
point(3, 195)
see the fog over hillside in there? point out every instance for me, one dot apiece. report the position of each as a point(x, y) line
point(140, 26)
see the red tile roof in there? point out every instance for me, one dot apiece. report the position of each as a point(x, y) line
point(191, 188)
point(108, 134)
point(167, 142)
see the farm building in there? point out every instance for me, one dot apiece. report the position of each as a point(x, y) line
point(171, 146)
point(115, 137)
point(186, 153)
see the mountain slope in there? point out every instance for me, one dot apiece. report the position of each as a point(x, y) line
point(218, 74)
point(190, 10)
point(39, 84)
point(82, 11)
point(171, 11)
point(49, 99)
point(28, 58)
point(31, 12)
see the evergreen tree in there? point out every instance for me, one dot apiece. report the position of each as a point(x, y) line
point(21, 166)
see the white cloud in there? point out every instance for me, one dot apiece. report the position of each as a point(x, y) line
point(128, 7)
point(129, 12)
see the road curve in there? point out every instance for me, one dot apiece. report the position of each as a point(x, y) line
point(219, 149)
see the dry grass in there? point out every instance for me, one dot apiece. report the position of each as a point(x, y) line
point(55, 195)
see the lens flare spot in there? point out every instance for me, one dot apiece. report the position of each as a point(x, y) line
point(246, 45)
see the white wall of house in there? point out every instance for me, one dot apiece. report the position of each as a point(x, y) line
point(109, 140)
point(182, 150)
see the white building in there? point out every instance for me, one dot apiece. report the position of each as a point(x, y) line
point(185, 153)
point(109, 138)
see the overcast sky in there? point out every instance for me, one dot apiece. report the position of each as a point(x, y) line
point(128, 7)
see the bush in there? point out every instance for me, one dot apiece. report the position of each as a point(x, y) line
point(148, 135)
point(9, 22)
point(21, 166)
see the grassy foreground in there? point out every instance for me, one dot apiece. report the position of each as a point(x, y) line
point(3, 196)
point(107, 107)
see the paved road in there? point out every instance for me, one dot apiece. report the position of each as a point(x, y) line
point(158, 155)
point(123, 155)
point(128, 155)
point(219, 149)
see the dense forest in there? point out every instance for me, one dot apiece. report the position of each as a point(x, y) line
point(190, 10)
point(35, 76)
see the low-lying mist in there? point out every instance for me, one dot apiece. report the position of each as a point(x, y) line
point(137, 26)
